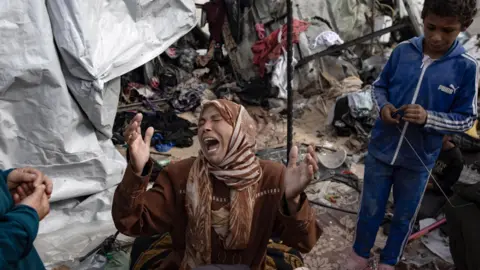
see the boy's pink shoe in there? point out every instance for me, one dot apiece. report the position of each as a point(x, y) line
point(355, 262)
point(386, 267)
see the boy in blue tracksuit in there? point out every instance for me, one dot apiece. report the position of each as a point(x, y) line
point(427, 89)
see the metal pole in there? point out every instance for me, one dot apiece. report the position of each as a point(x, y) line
point(289, 77)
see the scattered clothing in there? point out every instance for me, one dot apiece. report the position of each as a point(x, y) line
point(159, 143)
point(463, 222)
point(134, 90)
point(470, 174)
point(257, 92)
point(467, 143)
point(260, 28)
point(279, 74)
point(361, 104)
point(227, 91)
point(271, 48)
point(18, 229)
point(327, 39)
point(173, 129)
point(186, 59)
point(446, 173)
point(170, 77)
point(432, 205)
point(352, 114)
point(447, 170)
point(188, 95)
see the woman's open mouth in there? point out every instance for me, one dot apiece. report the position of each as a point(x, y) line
point(211, 144)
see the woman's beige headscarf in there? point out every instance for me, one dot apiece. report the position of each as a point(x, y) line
point(240, 171)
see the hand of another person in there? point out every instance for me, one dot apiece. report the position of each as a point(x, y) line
point(38, 200)
point(21, 183)
point(298, 177)
point(138, 147)
point(414, 114)
point(386, 115)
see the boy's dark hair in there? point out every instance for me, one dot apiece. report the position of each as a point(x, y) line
point(464, 10)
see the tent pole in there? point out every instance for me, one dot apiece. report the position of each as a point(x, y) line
point(289, 77)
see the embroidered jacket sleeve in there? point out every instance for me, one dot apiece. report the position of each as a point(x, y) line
point(463, 112)
point(301, 230)
point(138, 211)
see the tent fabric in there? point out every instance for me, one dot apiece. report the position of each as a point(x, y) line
point(57, 112)
point(60, 63)
point(101, 40)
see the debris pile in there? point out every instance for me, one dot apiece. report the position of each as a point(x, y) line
point(244, 60)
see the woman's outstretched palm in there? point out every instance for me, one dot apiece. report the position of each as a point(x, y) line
point(298, 177)
point(138, 147)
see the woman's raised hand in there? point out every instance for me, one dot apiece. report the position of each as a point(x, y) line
point(138, 147)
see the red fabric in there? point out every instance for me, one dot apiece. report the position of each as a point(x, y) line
point(269, 49)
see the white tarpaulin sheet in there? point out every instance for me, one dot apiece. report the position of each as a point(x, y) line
point(102, 40)
point(43, 124)
point(57, 110)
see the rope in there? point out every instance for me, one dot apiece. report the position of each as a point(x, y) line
point(430, 175)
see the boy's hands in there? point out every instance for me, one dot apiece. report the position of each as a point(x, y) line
point(414, 114)
point(386, 114)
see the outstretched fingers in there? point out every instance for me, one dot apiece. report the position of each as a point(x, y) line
point(311, 172)
point(313, 157)
point(148, 136)
point(133, 126)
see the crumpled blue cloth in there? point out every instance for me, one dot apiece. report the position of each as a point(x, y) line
point(160, 145)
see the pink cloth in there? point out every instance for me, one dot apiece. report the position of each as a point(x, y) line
point(260, 28)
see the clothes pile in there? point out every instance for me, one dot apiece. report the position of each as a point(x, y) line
point(354, 114)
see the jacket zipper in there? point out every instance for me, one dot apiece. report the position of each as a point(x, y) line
point(425, 64)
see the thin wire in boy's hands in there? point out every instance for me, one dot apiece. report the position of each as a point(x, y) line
point(414, 114)
point(389, 115)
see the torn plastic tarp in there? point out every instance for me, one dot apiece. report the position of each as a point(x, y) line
point(42, 125)
point(102, 40)
point(66, 133)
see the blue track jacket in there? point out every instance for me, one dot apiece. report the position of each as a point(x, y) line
point(446, 88)
point(18, 229)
